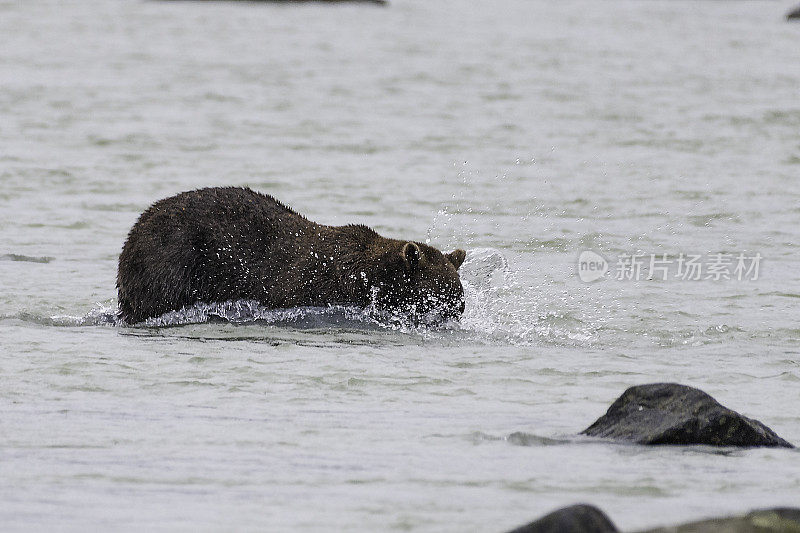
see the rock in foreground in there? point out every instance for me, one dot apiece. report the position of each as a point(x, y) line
point(669, 413)
point(794, 14)
point(780, 520)
point(590, 519)
point(572, 519)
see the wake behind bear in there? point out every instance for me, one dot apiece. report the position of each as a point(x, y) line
point(228, 243)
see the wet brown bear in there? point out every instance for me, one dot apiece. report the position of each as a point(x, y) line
point(223, 244)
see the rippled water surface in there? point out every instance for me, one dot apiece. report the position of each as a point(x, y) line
point(525, 132)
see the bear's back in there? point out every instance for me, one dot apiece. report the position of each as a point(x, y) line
point(221, 204)
point(211, 244)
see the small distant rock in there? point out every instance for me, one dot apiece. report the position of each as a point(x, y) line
point(794, 13)
point(572, 519)
point(779, 520)
point(669, 413)
point(26, 258)
point(379, 2)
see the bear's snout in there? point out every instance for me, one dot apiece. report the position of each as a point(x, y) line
point(451, 305)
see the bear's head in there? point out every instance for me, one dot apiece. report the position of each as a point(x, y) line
point(420, 282)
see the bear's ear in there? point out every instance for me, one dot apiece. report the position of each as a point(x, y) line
point(457, 257)
point(411, 255)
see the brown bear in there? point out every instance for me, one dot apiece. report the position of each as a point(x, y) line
point(229, 243)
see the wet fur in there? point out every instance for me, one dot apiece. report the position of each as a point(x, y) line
point(221, 244)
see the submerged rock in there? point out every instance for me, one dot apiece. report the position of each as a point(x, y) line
point(783, 520)
point(794, 13)
point(573, 519)
point(379, 2)
point(669, 413)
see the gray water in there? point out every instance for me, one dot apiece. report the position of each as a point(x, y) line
point(523, 131)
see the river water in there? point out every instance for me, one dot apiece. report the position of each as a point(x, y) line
point(526, 132)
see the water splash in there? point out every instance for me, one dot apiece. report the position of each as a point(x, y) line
point(500, 309)
point(250, 311)
point(100, 315)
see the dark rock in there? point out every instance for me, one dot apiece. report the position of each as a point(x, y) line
point(779, 520)
point(572, 519)
point(590, 519)
point(669, 413)
point(378, 2)
point(794, 14)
